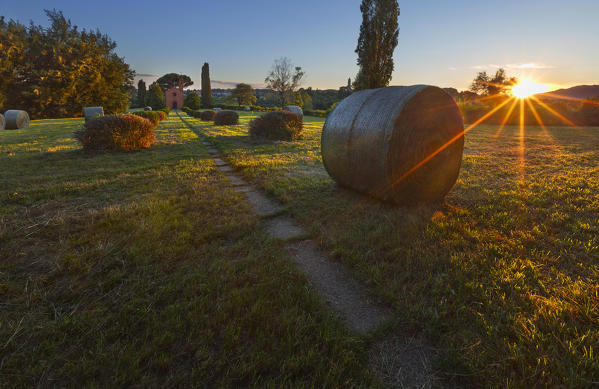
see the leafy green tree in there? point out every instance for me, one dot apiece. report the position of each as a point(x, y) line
point(192, 100)
point(58, 70)
point(206, 88)
point(244, 94)
point(172, 80)
point(141, 93)
point(283, 79)
point(156, 97)
point(307, 101)
point(378, 39)
point(486, 85)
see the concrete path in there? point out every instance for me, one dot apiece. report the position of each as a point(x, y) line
point(329, 278)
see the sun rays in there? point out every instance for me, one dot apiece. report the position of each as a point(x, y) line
point(522, 95)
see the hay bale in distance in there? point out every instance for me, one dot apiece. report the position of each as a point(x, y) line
point(296, 110)
point(398, 144)
point(147, 108)
point(217, 109)
point(247, 108)
point(2, 122)
point(16, 119)
point(92, 113)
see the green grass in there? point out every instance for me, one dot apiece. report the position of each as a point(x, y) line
point(146, 269)
point(502, 278)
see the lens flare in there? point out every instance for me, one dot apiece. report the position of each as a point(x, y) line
point(527, 88)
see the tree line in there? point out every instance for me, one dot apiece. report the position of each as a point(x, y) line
point(56, 71)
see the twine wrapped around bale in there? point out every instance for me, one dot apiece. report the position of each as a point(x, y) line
point(398, 144)
point(2, 122)
point(16, 119)
point(296, 110)
point(92, 113)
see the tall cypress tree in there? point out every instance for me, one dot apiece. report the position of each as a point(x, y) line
point(141, 93)
point(378, 38)
point(206, 89)
point(156, 97)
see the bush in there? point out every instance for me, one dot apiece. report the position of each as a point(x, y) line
point(278, 125)
point(161, 114)
point(223, 118)
point(207, 115)
point(166, 110)
point(116, 132)
point(316, 112)
point(152, 116)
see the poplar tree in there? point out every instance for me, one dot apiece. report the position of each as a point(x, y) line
point(378, 39)
point(206, 88)
point(141, 93)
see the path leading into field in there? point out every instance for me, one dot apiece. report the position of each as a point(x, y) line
point(401, 362)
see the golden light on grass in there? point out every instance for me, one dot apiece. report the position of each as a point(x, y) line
point(527, 88)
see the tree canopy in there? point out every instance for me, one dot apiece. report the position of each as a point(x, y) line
point(155, 97)
point(486, 85)
point(377, 41)
point(244, 94)
point(56, 71)
point(173, 80)
point(284, 78)
point(192, 100)
point(206, 88)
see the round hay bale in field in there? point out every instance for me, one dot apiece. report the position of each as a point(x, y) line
point(247, 108)
point(398, 144)
point(16, 119)
point(2, 122)
point(147, 108)
point(296, 110)
point(92, 112)
point(217, 109)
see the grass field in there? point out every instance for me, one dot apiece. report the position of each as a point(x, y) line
point(146, 269)
point(503, 278)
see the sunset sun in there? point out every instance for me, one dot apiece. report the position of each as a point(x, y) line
point(527, 88)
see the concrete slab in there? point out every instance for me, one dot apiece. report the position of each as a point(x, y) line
point(284, 228)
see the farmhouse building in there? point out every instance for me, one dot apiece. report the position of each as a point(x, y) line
point(174, 98)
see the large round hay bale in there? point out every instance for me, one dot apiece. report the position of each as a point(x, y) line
point(147, 108)
point(16, 119)
point(398, 144)
point(296, 110)
point(92, 112)
point(2, 122)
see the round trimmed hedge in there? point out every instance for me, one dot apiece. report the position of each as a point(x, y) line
point(116, 132)
point(153, 116)
point(223, 118)
point(207, 115)
point(278, 125)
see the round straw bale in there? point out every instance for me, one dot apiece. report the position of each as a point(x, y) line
point(16, 119)
point(93, 112)
point(2, 122)
point(296, 109)
point(247, 108)
point(147, 108)
point(398, 144)
point(217, 109)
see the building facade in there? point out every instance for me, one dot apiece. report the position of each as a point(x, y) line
point(174, 98)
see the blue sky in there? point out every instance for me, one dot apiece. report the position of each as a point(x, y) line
point(441, 42)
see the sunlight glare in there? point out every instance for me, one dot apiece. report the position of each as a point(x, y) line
point(527, 88)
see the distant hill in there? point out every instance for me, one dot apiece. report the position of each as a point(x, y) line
point(576, 92)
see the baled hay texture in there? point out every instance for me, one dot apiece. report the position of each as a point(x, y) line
point(296, 110)
point(16, 119)
point(398, 144)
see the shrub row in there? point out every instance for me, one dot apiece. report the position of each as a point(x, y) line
point(278, 125)
point(321, 113)
point(116, 132)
